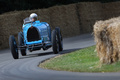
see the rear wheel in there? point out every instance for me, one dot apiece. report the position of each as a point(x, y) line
point(55, 44)
point(60, 40)
point(13, 47)
point(21, 43)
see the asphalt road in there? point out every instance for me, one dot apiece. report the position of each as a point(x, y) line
point(26, 68)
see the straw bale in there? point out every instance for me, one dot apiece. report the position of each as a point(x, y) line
point(89, 13)
point(65, 17)
point(107, 38)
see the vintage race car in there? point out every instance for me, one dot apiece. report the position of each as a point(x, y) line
point(36, 35)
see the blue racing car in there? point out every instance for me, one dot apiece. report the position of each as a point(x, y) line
point(36, 35)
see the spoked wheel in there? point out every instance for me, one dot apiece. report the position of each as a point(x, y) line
point(60, 40)
point(21, 43)
point(55, 43)
point(13, 47)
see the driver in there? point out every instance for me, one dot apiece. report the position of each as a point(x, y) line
point(33, 17)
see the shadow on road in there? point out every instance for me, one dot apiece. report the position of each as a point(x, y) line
point(49, 53)
point(68, 50)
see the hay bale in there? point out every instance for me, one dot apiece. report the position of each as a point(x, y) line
point(89, 12)
point(107, 38)
point(110, 9)
point(65, 17)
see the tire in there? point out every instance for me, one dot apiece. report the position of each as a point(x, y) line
point(55, 44)
point(21, 43)
point(60, 40)
point(13, 47)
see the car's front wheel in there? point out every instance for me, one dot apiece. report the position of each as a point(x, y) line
point(55, 43)
point(13, 47)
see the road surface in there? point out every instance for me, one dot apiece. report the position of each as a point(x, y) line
point(26, 68)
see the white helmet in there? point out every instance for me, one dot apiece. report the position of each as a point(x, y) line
point(33, 15)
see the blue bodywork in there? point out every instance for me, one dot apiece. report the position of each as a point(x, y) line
point(44, 31)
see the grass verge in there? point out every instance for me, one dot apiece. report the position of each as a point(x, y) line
point(84, 60)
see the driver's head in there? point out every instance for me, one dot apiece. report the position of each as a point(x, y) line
point(33, 17)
